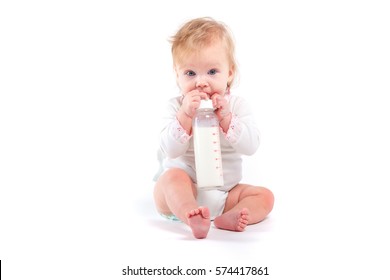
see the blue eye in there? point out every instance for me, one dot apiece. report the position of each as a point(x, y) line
point(212, 72)
point(190, 73)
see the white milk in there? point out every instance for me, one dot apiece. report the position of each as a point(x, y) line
point(208, 159)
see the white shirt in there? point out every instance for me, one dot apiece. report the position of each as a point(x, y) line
point(242, 138)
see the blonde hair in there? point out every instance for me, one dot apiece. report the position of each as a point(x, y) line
point(201, 32)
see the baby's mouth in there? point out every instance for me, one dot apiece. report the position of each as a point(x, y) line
point(209, 94)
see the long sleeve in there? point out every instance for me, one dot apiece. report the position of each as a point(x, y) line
point(174, 141)
point(242, 134)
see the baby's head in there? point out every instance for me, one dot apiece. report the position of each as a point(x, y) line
point(199, 33)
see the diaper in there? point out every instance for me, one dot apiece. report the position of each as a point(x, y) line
point(170, 217)
point(212, 199)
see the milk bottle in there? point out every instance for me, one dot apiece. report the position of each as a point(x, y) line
point(207, 147)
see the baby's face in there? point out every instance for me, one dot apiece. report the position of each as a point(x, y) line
point(207, 70)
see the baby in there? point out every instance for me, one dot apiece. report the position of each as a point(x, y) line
point(205, 67)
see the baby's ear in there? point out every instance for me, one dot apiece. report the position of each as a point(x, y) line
point(176, 72)
point(177, 76)
point(232, 72)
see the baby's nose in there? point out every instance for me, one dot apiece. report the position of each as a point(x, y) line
point(201, 83)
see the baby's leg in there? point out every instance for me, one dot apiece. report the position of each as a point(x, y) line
point(245, 205)
point(175, 193)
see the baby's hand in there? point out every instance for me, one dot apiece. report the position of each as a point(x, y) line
point(191, 102)
point(221, 105)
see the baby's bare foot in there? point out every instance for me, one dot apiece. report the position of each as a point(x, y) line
point(233, 220)
point(199, 221)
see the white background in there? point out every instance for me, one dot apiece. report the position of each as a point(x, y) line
point(82, 85)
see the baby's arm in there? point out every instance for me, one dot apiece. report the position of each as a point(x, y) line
point(242, 133)
point(174, 140)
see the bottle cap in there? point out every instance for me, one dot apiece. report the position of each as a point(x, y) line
point(206, 104)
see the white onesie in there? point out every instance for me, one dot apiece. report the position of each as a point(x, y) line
point(176, 149)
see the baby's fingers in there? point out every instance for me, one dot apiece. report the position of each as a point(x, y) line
point(220, 102)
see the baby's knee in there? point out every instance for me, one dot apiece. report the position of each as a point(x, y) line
point(176, 175)
point(268, 198)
